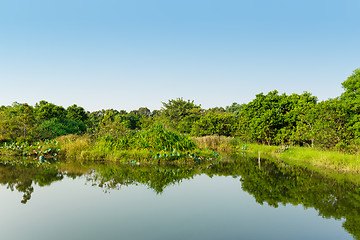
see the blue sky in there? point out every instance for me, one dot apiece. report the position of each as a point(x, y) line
point(130, 54)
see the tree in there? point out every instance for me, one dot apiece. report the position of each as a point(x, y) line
point(55, 127)
point(77, 113)
point(263, 117)
point(47, 111)
point(176, 110)
point(214, 124)
point(180, 114)
point(26, 118)
point(299, 119)
point(352, 87)
point(234, 108)
point(274, 118)
point(144, 112)
point(351, 97)
point(56, 121)
point(217, 110)
point(331, 124)
point(17, 122)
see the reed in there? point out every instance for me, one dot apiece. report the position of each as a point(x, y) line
point(73, 146)
point(219, 143)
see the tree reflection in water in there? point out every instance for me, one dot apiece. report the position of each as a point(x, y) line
point(23, 178)
point(274, 183)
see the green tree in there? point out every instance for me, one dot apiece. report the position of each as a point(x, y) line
point(77, 113)
point(214, 124)
point(56, 121)
point(274, 118)
point(352, 87)
point(112, 124)
point(17, 122)
point(263, 117)
point(55, 127)
point(180, 114)
point(143, 112)
point(217, 110)
point(176, 110)
point(234, 108)
point(46, 111)
point(351, 97)
point(331, 124)
point(297, 109)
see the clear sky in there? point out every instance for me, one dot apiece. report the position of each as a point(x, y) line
point(138, 53)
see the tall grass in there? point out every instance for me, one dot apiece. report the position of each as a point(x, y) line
point(219, 143)
point(137, 145)
point(74, 146)
point(156, 138)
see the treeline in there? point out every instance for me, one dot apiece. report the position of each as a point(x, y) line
point(273, 119)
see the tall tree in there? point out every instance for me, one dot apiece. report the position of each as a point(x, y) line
point(351, 96)
point(47, 111)
point(77, 113)
point(180, 114)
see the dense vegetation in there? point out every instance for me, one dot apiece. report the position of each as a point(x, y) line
point(272, 119)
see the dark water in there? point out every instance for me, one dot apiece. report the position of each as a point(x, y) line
point(226, 200)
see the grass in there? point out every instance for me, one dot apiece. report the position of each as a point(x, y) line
point(304, 156)
point(159, 144)
point(219, 143)
point(334, 160)
point(156, 144)
point(73, 146)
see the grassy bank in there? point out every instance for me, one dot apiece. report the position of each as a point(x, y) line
point(159, 144)
point(306, 156)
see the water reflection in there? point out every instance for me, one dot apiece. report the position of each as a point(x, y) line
point(23, 178)
point(275, 183)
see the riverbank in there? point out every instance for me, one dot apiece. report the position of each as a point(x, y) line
point(305, 156)
point(159, 145)
point(302, 156)
point(154, 145)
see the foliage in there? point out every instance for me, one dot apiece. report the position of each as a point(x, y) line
point(180, 114)
point(140, 144)
point(272, 119)
point(234, 108)
point(47, 111)
point(352, 86)
point(77, 113)
point(17, 122)
point(214, 124)
point(351, 97)
point(158, 137)
point(55, 127)
point(177, 109)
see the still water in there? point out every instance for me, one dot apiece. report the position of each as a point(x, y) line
point(226, 200)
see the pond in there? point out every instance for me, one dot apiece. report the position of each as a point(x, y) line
point(231, 199)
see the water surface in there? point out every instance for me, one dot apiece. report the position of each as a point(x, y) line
point(229, 200)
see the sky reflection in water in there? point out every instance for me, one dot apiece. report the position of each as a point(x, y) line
point(224, 201)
